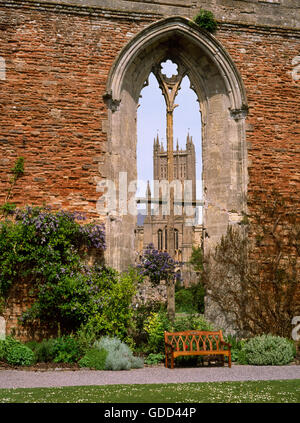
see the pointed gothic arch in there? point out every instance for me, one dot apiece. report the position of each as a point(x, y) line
point(223, 104)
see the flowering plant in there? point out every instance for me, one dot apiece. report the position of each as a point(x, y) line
point(44, 248)
point(158, 266)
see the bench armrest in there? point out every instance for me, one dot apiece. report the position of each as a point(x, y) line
point(227, 344)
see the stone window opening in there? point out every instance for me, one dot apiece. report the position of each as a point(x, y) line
point(223, 104)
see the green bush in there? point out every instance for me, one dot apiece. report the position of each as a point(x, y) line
point(155, 326)
point(16, 353)
point(267, 350)
point(141, 313)
point(154, 358)
point(2, 350)
point(94, 358)
point(44, 351)
point(86, 336)
point(206, 20)
point(237, 352)
point(67, 349)
point(64, 349)
point(184, 301)
point(46, 249)
point(158, 323)
point(191, 322)
point(112, 312)
point(119, 355)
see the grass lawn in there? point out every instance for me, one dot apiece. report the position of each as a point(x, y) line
point(278, 391)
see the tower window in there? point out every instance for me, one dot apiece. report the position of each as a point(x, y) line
point(176, 239)
point(166, 238)
point(159, 239)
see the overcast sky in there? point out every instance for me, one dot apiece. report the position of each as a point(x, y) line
point(151, 119)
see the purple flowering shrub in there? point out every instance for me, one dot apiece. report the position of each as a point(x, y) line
point(158, 266)
point(47, 224)
point(45, 249)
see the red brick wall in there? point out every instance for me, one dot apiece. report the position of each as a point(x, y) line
point(53, 114)
point(52, 108)
point(264, 59)
point(51, 103)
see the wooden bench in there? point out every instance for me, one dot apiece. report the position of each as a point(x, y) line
point(195, 342)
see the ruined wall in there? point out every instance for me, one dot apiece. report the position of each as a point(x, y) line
point(56, 58)
point(57, 64)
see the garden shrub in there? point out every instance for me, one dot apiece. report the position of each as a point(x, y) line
point(119, 355)
point(111, 311)
point(184, 301)
point(191, 322)
point(20, 355)
point(154, 358)
point(86, 336)
point(44, 351)
point(155, 326)
point(64, 349)
point(46, 249)
point(158, 323)
point(266, 350)
point(158, 266)
point(141, 313)
point(237, 352)
point(190, 300)
point(16, 353)
point(94, 358)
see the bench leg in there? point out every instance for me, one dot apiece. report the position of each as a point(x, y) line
point(229, 360)
point(172, 362)
point(223, 360)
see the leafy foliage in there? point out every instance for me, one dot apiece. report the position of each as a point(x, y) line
point(64, 349)
point(154, 358)
point(237, 352)
point(196, 259)
point(141, 312)
point(158, 323)
point(191, 299)
point(15, 353)
point(206, 20)
point(42, 246)
point(46, 249)
point(94, 358)
point(267, 350)
point(155, 326)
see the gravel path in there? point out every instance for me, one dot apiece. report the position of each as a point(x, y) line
point(147, 375)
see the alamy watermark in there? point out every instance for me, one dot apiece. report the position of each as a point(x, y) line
point(120, 198)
